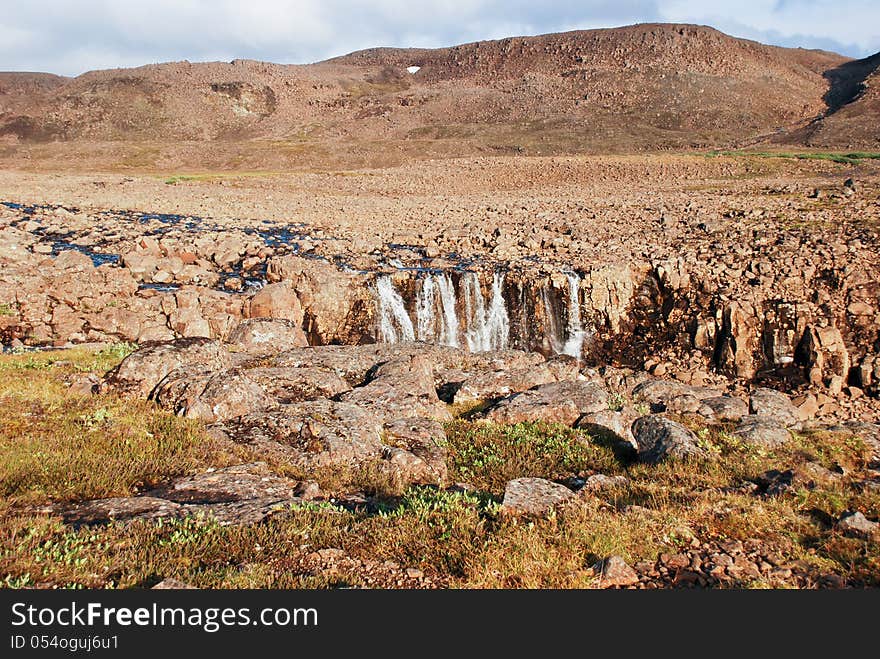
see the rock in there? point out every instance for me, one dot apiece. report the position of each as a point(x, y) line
point(297, 384)
point(241, 494)
point(338, 305)
point(774, 482)
point(267, 336)
point(856, 524)
point(84, 384)
point(210, 396)
point(615, 572)
point(311, 434)
point(598, 482)
point(775, 405)
point(423, 439)
point(824, 354)
point(659, 438)
point(723, 408)
point(173, 584)
point(533, 496)
point(558, 402)
point(659, 393)
point(762, 431)
point(73, 260)
point(140, 372)
point(276, 301)
point(401, 387)
point(497, 384)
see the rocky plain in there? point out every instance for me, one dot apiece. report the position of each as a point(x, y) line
point(648, 370)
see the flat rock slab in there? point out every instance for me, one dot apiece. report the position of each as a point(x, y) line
point(558, 402)
point(659, 393)
point(312, 433)
point(242, 494)
point(533, 496)
point(497, 384)
point(659, 438)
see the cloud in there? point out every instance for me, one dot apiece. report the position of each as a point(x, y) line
point(70, 37)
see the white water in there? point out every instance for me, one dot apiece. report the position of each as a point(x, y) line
point(395, 325)
point(572, 341)
point(488, 325)
point(425, 305)
point(575, 334)
point(449, 331)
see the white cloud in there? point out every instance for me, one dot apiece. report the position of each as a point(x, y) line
point(67, 36)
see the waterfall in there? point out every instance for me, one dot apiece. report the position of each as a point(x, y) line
point(551, 325)
point(395, 324)
point(449, 330)
point(571, 341)
point(487, 325)
point(575, 334)
point(425, 310)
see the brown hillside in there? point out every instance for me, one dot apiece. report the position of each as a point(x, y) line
point(643, 87)
point(853, 118)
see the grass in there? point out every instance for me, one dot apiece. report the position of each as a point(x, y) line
point(58, 447)
point(850, 158)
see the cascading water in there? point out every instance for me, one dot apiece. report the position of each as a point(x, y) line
point(449, 331)
point(487, 326)
point(575, 334)
point(571, 341)
point(425, 310)
point(395, 325)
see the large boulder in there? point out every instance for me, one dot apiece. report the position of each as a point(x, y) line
point(659, 438)
point(497, 384)
point(212, 396)
point(762, 431)
point(276, 301)
point(660, 394)
point(557, 402)
point(775, 405)
point(402, 387)
point(338, 306)
point(267, 336)
point(241, 494)
point(140, 372)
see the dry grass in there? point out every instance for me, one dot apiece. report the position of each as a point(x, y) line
point(57, 447)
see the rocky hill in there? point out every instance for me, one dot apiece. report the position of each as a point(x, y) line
point(643, 87)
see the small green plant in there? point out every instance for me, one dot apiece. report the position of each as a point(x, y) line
point(617, 401)
point(7, 309)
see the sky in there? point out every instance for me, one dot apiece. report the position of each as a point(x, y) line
point(70, 37)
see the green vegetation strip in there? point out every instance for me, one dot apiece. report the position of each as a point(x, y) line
point(851, 158)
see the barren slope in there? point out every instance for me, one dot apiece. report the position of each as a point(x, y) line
point(642, 87)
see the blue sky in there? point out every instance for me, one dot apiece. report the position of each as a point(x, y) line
point(73, 36)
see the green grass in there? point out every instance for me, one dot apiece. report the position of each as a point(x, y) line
point(55, 446)
point(850, 158)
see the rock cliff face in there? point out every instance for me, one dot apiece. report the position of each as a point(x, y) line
point(793, 306)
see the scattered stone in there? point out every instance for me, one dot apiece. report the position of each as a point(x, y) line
point(856, 524)
point(615, 572)
point(533, 496)
point(762, 431)
point(659, 438)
